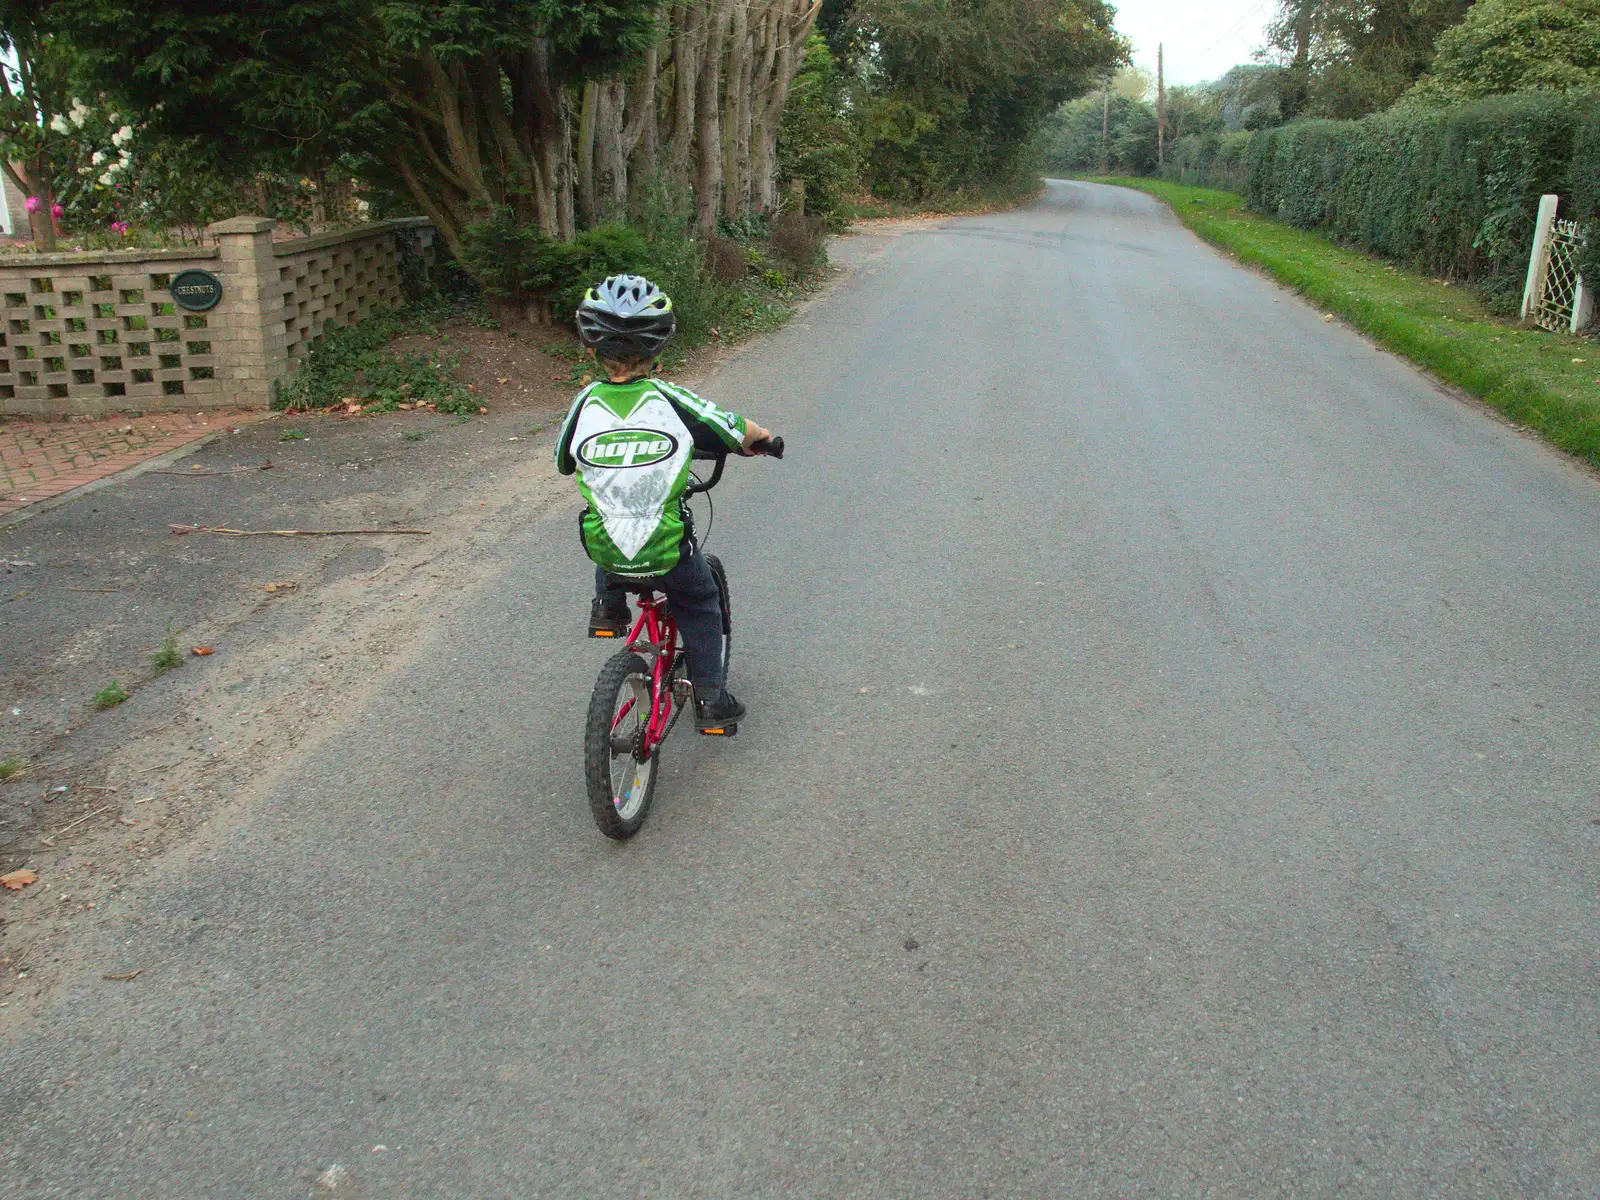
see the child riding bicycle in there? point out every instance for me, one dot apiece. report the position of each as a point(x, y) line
point(629, 438)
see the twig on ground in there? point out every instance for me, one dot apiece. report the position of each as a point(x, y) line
point(89, 787)
point(208, 473)
point(49, 841)
point(226, 532)
point(128, 978)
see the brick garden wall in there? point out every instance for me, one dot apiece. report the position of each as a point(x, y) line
point(96, 333)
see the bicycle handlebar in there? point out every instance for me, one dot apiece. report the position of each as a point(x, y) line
point(770, 447)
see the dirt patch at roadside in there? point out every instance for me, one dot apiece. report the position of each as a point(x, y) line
point(520, 365)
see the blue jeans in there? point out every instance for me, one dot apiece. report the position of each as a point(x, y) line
point(696, 605)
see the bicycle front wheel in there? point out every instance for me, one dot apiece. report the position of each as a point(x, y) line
point(720, 574)
point(620, 782)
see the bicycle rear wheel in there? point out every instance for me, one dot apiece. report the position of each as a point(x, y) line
point(620, 784)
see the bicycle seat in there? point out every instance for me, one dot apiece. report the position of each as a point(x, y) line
point(636, 586)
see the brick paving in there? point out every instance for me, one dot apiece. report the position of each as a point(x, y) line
point(42, 459)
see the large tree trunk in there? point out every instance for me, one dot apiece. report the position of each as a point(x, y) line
point(485, 131)
point(588, 121)
point(708, 119)
point(763, 148)
point(611, 160)
point(552, 148)
point(35, 184)
point(736, 110)
point(796, 18)
point(561, 154)
point(689, 22)
point(641, 135)
point(22, 39)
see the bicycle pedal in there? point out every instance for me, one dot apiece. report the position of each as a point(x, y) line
point(721, 731)
point(602, 633)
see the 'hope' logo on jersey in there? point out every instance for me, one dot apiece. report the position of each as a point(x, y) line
point(627, 448)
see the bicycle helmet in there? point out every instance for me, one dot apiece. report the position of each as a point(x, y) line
point(626, 317)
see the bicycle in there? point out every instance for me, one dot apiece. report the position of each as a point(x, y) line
point(644, 688)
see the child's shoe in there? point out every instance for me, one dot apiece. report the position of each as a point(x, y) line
point(718, 717)
point(608, 621)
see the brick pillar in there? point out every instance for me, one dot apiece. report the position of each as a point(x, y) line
point(250, 318)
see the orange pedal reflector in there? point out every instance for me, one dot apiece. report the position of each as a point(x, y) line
point(601, 633)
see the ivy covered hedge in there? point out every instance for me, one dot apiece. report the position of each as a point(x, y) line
point(1454, 191)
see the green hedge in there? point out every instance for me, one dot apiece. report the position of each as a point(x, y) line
point(1214, 160)
point(1586, 188)
point(1454, 191)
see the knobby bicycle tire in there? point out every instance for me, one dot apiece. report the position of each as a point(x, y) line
point(597, 756)
point(720, 573)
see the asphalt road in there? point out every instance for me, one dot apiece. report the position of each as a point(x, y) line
point(1172, 771)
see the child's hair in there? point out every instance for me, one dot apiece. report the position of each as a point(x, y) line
point(626, 366)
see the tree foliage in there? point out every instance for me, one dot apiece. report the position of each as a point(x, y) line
point(1516, 46)
point(286, 79)
point(461, 104)
point(819, 146)
point(35, 96)
point(562, 115)
point(559, 111)
point(953, 90)
point(1347, 58)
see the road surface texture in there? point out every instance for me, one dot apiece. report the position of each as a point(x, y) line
point(1171, 771)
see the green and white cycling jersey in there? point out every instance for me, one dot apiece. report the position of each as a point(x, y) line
point(630, 446)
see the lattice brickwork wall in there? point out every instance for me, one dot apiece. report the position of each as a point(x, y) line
point(86, 334)
point(337, 279)
point(99, 333)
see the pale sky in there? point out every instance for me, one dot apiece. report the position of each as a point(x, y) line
point(1203, 39)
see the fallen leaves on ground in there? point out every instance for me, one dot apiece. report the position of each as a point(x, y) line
point(202, 651)
point(17, 880)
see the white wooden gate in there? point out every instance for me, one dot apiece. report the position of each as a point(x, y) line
point(1554, 297)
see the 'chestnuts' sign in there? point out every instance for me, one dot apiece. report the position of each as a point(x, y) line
point(196, 290)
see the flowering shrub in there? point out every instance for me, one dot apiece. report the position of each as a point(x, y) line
point(97, 177)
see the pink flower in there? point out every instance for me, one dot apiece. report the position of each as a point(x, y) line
point(32, 204)
point(121, 227)
point(56, 210)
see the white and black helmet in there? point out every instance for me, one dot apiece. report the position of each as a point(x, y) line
point(627, 316)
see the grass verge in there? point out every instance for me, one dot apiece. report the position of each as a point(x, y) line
point(1546, 382)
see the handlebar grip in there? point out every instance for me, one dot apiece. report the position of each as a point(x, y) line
point(772, 447)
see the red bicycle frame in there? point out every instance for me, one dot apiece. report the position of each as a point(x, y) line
point(660, 643)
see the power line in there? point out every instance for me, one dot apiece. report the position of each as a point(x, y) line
point(1234, 28)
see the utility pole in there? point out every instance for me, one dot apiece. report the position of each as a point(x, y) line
point(1161, 106)
point(1105, 132)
